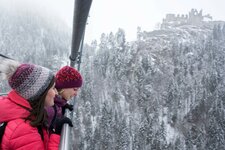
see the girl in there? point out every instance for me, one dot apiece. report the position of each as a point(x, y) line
point(33, 89)
point(68, 82)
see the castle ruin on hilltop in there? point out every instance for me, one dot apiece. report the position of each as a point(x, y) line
point(194, 17)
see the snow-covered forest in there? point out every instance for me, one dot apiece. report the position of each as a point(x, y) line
point(31, 35)
point(164, 91)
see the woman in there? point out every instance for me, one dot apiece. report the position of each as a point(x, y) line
point(68, 82)
point(33, 89)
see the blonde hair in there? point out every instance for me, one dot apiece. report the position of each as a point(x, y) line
point(60, 91)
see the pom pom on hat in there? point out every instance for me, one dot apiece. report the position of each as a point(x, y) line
point(68, 77)
point(28, 80)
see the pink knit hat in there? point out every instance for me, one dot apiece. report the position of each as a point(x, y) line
point(68, 77)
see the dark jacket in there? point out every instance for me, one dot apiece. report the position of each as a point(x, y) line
point(56, 111)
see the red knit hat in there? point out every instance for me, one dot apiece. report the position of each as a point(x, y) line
point(68, 77)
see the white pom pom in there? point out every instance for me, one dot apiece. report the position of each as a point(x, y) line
point(7, 67)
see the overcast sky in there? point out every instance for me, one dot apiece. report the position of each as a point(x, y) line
point(109, 15)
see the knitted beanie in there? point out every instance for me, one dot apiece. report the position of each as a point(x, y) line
point(68, 77)
point(30, 81)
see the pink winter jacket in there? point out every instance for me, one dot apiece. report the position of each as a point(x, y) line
point(19, 135)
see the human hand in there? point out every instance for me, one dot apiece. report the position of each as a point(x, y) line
point(59, 122)
point(69, 106)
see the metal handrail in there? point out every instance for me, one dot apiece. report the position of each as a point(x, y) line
point(81, 11)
